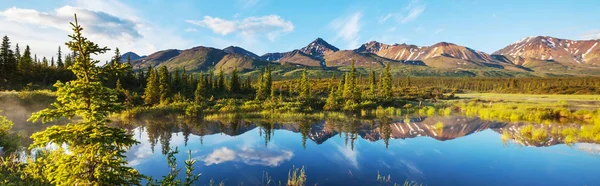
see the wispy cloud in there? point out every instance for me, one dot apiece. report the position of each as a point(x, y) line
point(270, 26)
point(191, 30)
point(347, 28)
point(412, 14)
point(592, 34)
point(248, 3)
point(383, 19)
point(409, 13)
point(438, 31)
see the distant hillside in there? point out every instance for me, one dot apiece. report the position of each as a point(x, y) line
point(532, 56)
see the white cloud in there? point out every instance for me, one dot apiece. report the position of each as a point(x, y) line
point(107, 23)
point(347, 28)
point(249, 156)
point(592, 34)
point(217, 25)
point(270, 26)
point(219, 156)
point(94, 22)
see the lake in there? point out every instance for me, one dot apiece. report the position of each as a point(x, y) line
point(467, 151)
point(433, 150)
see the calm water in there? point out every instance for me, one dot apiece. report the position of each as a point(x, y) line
point(467, 151)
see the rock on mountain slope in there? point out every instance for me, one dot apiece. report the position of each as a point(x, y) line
point(319, 48)
point(311, 55)
point(414, 53)
point(563, 51)
point(441, 55)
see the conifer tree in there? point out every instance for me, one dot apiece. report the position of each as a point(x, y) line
point(386, 83)
point(340, 87)
point(26, 62)
point(177, 84)
point(221, 81)
point(95, 154)
point(268, 80)
point(163, 85)
point(372, 84)
point(260, 90)
point(304, 86)
point(7, 62)
point(201, 90)
point(234, 82)
point(59, 62)
point(151, 92)
point(331, 104)
point(17, 54)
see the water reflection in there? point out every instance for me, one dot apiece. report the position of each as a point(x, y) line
point(432, 150)
point(436, 150)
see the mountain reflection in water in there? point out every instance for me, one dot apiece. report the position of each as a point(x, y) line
point(449, 150)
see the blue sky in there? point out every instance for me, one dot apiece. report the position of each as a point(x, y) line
point(275, 26)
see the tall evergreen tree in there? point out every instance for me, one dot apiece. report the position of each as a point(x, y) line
point(260, 90)
point(201, 90)
point(152, 92)
point(234, 82)
point(221, 81)
point(304, 86)
point(59, 62)
point(372, 84)
point(25, 65)
point(7, 62)
point(331, 103)
point(17, 53)
point(163, 82)
point(95, 154)
point(386, 82)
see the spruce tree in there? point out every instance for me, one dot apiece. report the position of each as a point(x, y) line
point(304, 86)
point(331, 104)
point(386, 82)
point(26, 62)
point(7, 62)
point(372, 84)
point(151, 92)
point(234, 82)
point(163, 85)
point(96, 152)
point(221, 81)
point(200, 92)
point(268, 80)
point(260, 90)
point(17, 54)
point(59, 61)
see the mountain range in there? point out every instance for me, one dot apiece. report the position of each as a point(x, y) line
point(531, 56)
